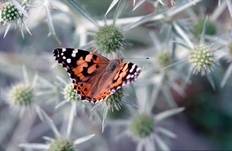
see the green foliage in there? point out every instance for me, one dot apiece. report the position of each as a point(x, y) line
point(210, 27)
point(210, 120)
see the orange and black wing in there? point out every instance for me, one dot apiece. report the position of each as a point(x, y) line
point(125, 73)
point(82, 67)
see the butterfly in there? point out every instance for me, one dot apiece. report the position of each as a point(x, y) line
point(95, 77)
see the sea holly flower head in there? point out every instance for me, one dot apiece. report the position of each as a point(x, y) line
point(69, 93)
point(145, 129)
point(202, 59)
point(9, 12)
point(108, 39)
point(114, 101)
point(163, 58)
point(111, 103)
point(61, 144)
point(141, 126)
point(21, 95)
point(14, 13)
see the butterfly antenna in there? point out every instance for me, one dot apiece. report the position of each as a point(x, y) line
point(138, 58)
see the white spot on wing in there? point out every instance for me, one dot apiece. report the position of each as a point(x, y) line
point(64, 57)
point(75, 51)
point(68, 60)
point(132, 68)
point(63, 49)
point(138, 69)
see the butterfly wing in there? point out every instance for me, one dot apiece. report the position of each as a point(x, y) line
point(81, 66)
point(125, 73)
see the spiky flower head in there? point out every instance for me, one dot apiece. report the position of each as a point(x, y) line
point(210, 27)
point(61, 144)
point(141, 126)
point(69, 93)
point(163, 58)
point(109, 39)
point(21, 95)
point(9, 12)
point(114, 101)
point(202, 59)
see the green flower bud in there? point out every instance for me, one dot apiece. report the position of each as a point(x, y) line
point(114, 100)
point(202, 59)
point(69, 93)
point(9, 12)
point(61, 144)
point(21, 95)
point(109, 39)
point(163, 58)
point(141, 126)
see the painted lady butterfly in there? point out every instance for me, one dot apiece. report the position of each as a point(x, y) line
point(94, 76)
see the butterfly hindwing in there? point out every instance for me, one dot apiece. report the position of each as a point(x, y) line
point(83, 89)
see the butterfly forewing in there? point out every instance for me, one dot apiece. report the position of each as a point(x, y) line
point(78, 63)
point(127, 73)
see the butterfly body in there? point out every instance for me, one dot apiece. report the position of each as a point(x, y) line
point(94, 76)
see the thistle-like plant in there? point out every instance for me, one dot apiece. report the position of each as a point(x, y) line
point(13, 13)
point(174, 34)
point(144, 127)
point(60, 143)
point(22, 96)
